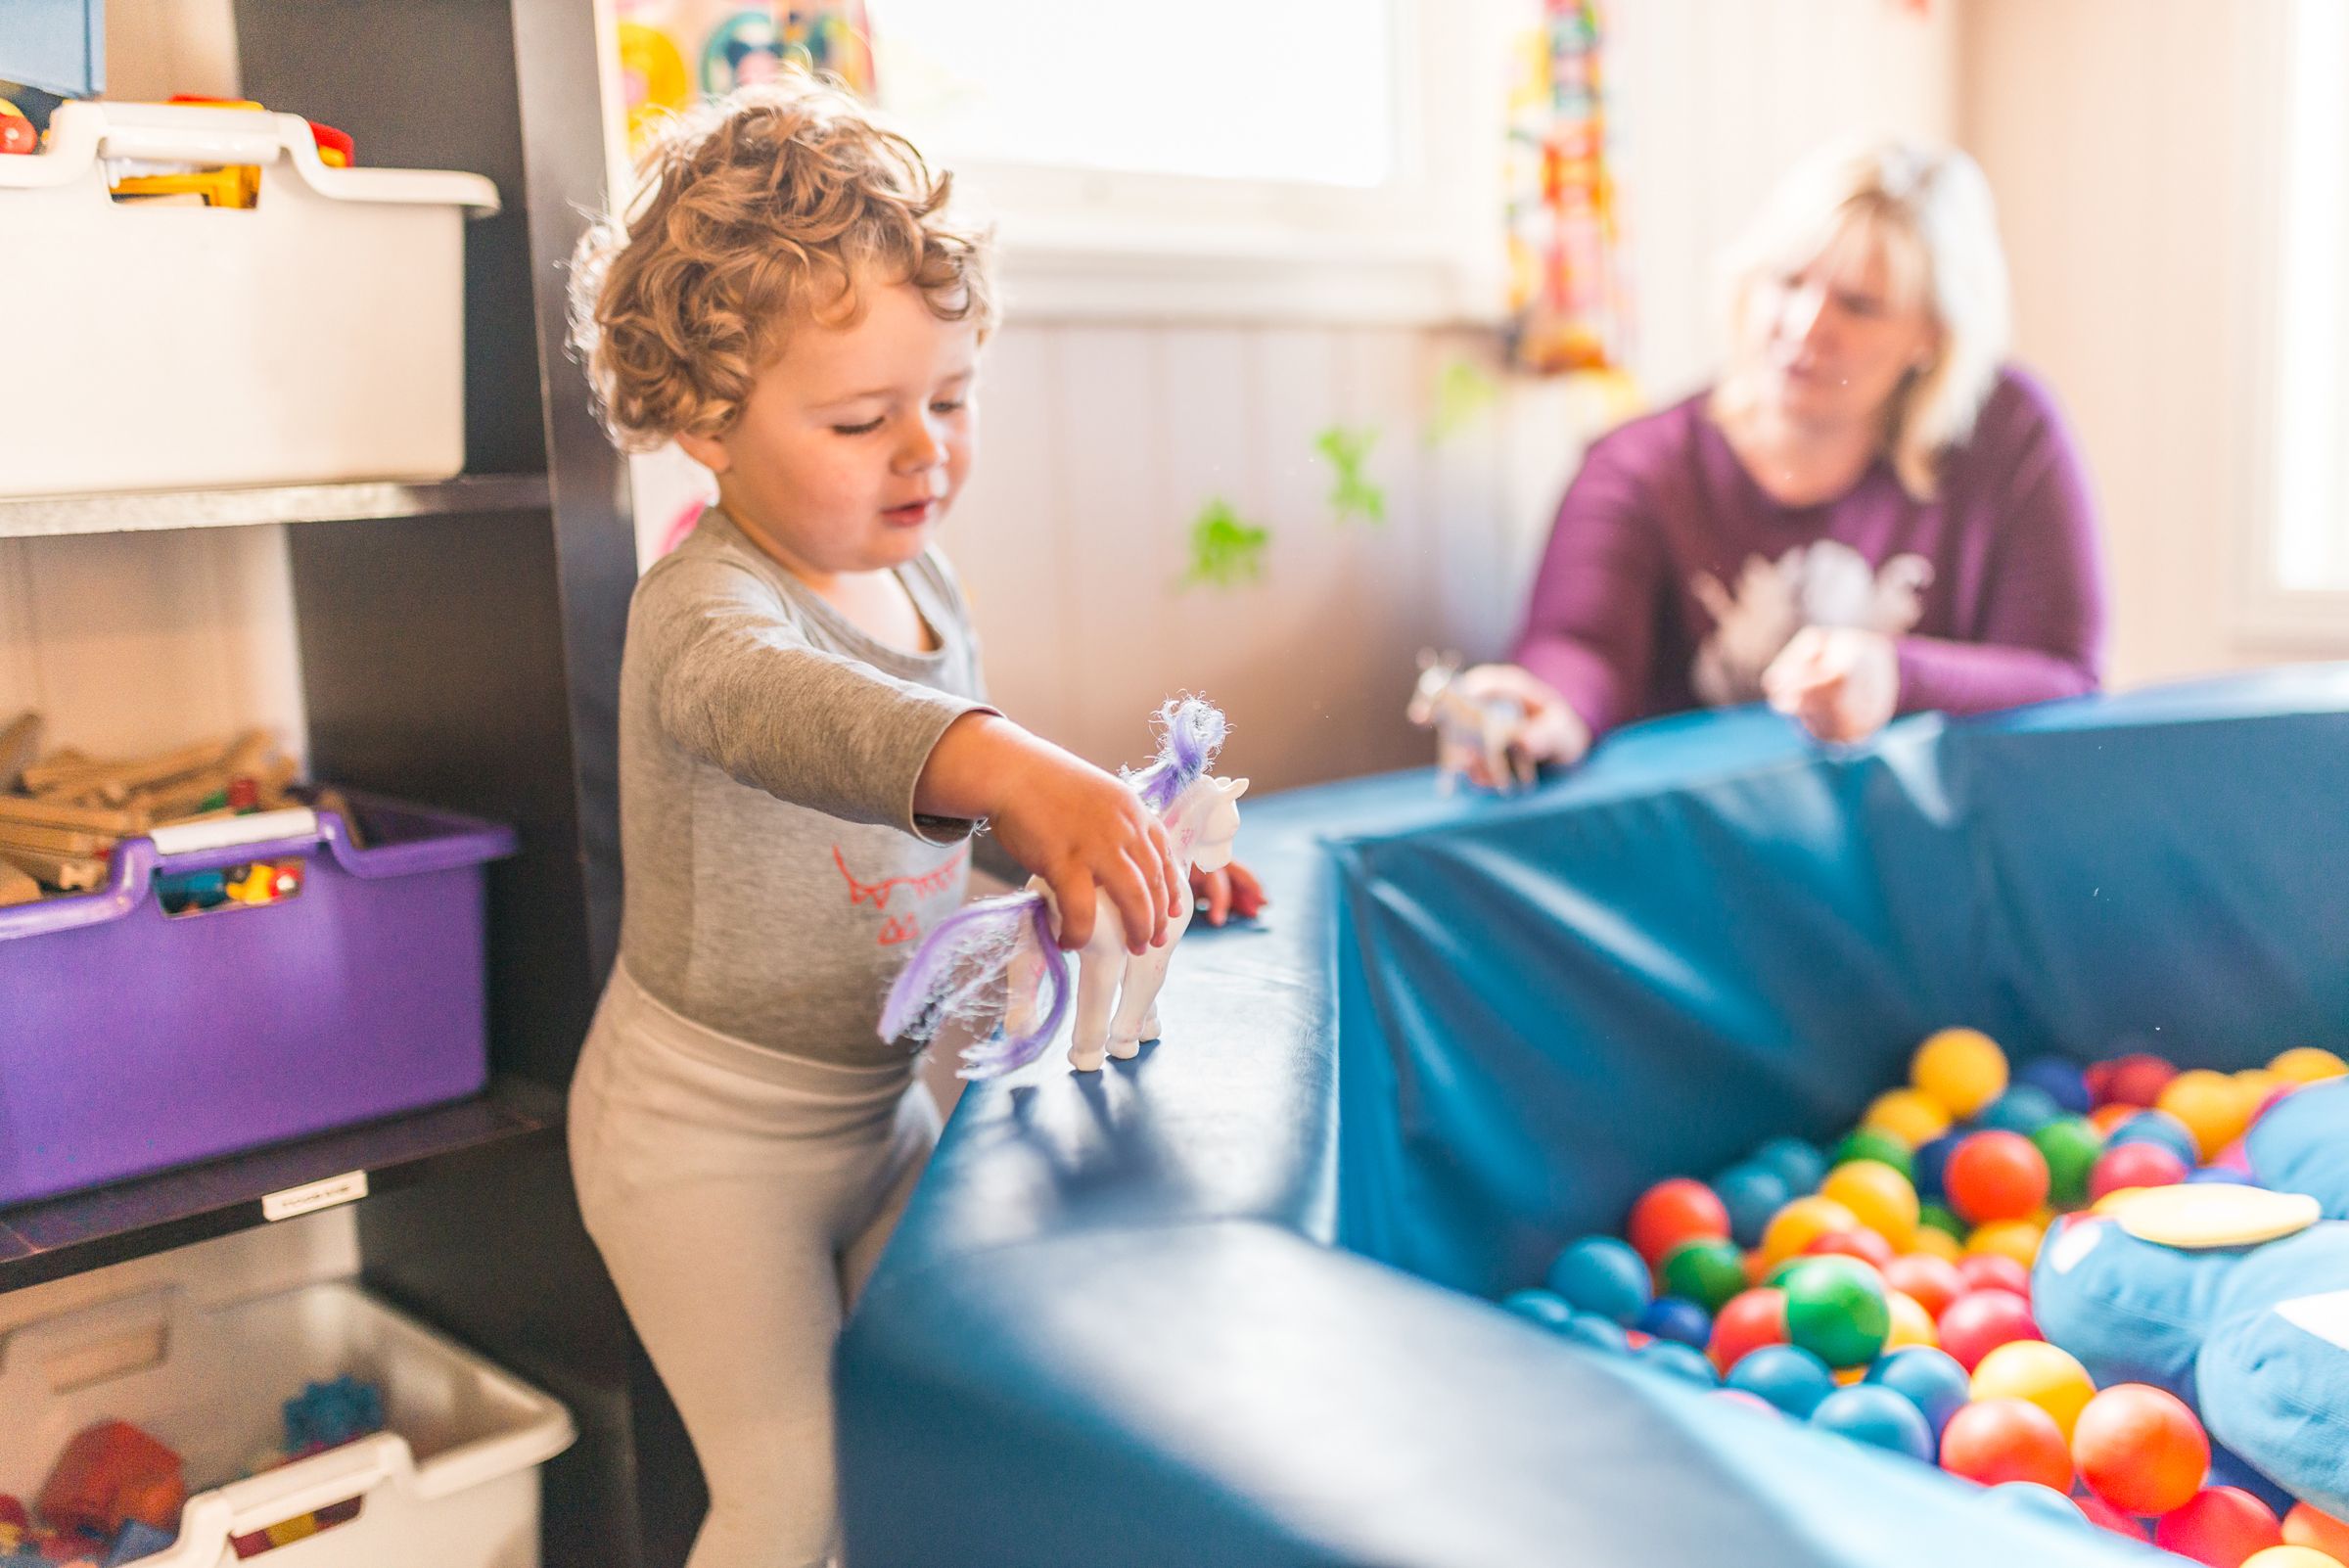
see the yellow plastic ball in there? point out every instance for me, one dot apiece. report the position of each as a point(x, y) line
point(1800, 1224)
point(2290, 1557)
point(1938, 1243)
point(1846, 1376)
point(2214, 1107)
point(1906, 1114)
point(2009, 1238)
point(2038, 1373)
point(1912, 1324)
point(2306, 1064)
point(1880, 1196)
point(1961, 1069)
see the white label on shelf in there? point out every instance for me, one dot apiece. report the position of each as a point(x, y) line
point(349, 1187)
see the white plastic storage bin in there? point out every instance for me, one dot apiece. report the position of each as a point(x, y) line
point(316, 336)
point(453, 1483)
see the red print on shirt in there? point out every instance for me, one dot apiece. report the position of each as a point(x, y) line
point(904, 927)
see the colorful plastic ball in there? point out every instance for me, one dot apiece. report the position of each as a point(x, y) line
point(1910, 1324)
point(2106, 1119)
point(1929, 1281)
point(1706, 1272)
point(2221, 1526)
point(1866, 1245)
point(1929, 1379)
point(2038, 1373)
point(1836, 1308)
point(2308, 1526)
point(1963, 1069)
point(1933, 1242)
point(1878, 1418)
point(1600, 1274)
point(2139, 1449)
point(1600, 1333)
point(1677, 1359)
point(1672, 1214)
point(1908, 1115)
point(2134, 1165)
point(2288, 1556)
point(1880, 1147)
point(2136, 1080)
point(1990, 1272)
point(2070, 1145)
point(2058, 1079)
point(1538, 1305)
point(1879, 1195)
point(1981, 1321)
point(1930, 1166)
point(2214, 1107)
point(1752, 1402)
point(1795, 1163)
point(1751, 1193)
point(1682, 1321)
point(2104, 1516)
point(1996, 1175)
point(2016, 1240)
point(1750, 1320)
point(2306, 1064)
point(2157, 1126)
point(1942, 1218)
point(2044, 1502)
point(1800, 1224)
point(2022, 1109)
point(1791, 1379)
point(1991, 1441)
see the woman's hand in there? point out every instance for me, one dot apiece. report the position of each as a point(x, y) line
point(1551, 731)
point(1841, 683)
point(1233, 891)
point(1078, 828)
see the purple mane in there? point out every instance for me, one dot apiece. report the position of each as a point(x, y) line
point(1192, 732)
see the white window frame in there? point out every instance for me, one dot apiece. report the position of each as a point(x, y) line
point(1425, 248)
point(2268, 613)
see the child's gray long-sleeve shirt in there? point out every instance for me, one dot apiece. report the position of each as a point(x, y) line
point(777, 875)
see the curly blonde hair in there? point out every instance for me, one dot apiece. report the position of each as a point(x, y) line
point(765, 209)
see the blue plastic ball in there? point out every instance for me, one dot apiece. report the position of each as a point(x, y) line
point(1930, 1379)
point(1543, 1306)
point(2160, 1128)
point(1752, 1192)
point(1932, 1162)
point(1677, 1318)
point(2029, 1497)
point(2060, 1080)
point(1678, 1360)
point(1600, 1274)
point(1784, 1375)
point(1796, 1163)
point(2022, 1109)
point(1876, 1415)
point(1597, 1332)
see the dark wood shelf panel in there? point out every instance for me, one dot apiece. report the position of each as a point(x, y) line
point(143, 512)
point(83, 1230)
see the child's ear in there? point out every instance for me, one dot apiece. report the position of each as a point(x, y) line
point(708, 450)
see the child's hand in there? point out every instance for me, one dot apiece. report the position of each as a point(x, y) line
point(1066, 820)
point(1233, 891)
point(1842, 682)
point(1552, 731)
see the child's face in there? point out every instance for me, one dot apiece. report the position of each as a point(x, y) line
point(855, 440)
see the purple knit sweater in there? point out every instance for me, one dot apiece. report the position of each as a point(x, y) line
point(2014, 611)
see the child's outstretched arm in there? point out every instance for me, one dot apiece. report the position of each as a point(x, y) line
point(1078, 827)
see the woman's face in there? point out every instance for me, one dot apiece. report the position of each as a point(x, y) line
point(1830, 342)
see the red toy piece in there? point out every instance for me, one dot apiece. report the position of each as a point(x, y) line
point(16, 134)
point(112, 1473)
point(12, 1512)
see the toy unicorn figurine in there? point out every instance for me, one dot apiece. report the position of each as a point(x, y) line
point(1006, 949)
point(1470, 729)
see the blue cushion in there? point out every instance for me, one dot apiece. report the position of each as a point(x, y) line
point(2132, 1311)
point(2302, 1145)
point(2276, 1390)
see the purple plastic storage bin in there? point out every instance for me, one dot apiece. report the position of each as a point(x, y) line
point(131, 1040)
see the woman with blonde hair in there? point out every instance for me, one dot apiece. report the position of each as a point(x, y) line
point(1871, 513)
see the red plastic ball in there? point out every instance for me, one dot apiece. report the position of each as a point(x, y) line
point(2141, 1448)
point(2134, 1165)
point(1747, 1321)
point(1991, 1440)
point(1865, 1245)
point(2220, 1526)
point(1929, 1281)
point(1996, 1175)
point(1981, 1321)
point(1995, 1270)
point(2136, 1080)
point(1672, 1214)
point(2105, 1516)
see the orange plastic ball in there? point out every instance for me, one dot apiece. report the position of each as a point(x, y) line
point(1996, 1175)
point(2306, 1064)
point(2307, 1526)
point(1747, 1321)
point(1962, 1070)
point(1991, 1441)
point(2014, 1239)
point(1931, 1282)
point(2219, 1526)
point(2214, 1107)
point(1670, 1214)
point(1800, 1224)
point(1879, 1195)
point(2139, 1449)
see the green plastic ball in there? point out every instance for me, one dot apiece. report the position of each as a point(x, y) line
point(1706, 1272)
point(1836, 1308)
point(2071, 1145)
point(1882, 1147)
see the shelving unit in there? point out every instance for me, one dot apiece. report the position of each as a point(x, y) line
point(460, 646)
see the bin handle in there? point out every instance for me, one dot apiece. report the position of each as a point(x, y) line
point(141, 1322)
point(317, 1482)
point(195, 134)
